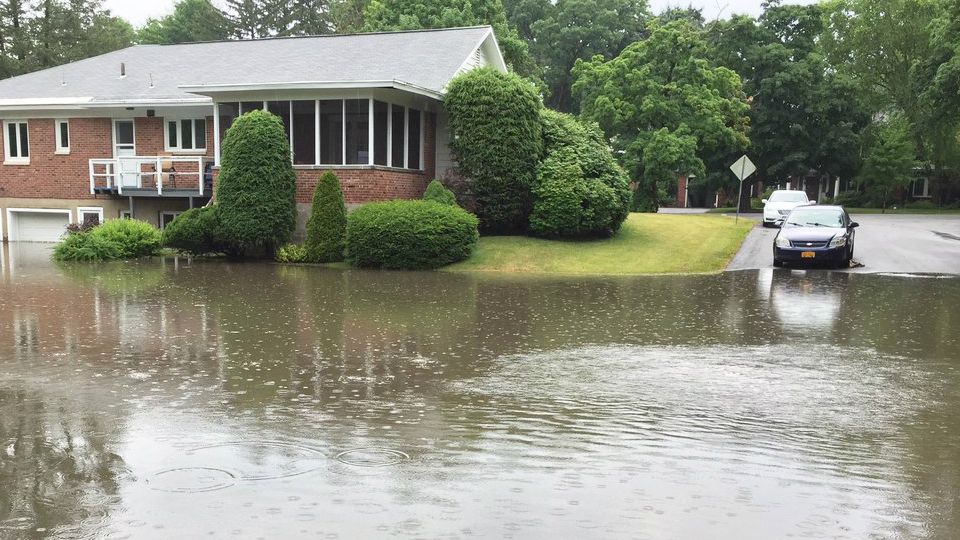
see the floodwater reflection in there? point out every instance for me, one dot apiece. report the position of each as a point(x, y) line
point(178, 399)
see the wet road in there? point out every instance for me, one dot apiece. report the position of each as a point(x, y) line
point(894, 243)
point(172, 399)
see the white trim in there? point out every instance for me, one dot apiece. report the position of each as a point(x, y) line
point(11, 211)
point(60, 149)
point(370, 130)
point(423, 115)
point(214, 88)
point(389, 134)
point(89, 210)
point(216, 134)
point(134, 124)
point(15, 160)
point(128, 216)
point(316, 131)
point(406, 137)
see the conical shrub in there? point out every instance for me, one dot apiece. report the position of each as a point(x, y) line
point(327, 226)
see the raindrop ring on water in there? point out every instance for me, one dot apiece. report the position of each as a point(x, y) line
point(372, 457)
point(191, 480)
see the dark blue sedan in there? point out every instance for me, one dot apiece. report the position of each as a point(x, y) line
point(815, 234)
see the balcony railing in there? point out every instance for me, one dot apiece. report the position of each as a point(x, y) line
point(152, 176)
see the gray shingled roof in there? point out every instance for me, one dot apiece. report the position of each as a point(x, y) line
point(427, 59)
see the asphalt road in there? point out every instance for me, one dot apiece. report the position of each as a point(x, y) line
point(884, 243)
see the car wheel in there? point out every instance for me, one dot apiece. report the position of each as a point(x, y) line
point(778, 263)
point(849, 258)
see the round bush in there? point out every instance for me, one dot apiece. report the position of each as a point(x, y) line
point(256, 186)
point(436, 192)
point(567, 204)
point(115, 239)
point(409, 235)
point(496, 138)
point(291, 253)
point(327, 226)
point(194, 231)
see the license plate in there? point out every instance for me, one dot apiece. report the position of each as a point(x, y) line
point(808, 254)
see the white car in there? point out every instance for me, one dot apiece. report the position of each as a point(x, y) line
point(780, 203)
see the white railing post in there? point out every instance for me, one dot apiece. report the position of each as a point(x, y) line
point(159, 176)
point(200, 172)
point(92, 180)
point(114, 167)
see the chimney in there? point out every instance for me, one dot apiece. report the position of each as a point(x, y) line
point(123, 69)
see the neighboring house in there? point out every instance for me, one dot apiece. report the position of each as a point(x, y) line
point(137, 132)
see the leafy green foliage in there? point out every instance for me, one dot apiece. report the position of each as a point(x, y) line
point(416, 14)
point(890, 161)
point(292, 253)
point(576, 151)
point(194, 231)
point(115, 239)
point(256, 186)
point(191, 21)
point(496, 136)
point(436, 192)
point(327, 226)
point(658, 96)
point(570, 205)
point(409, 235)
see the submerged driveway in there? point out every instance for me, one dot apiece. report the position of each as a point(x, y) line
point(885, 243)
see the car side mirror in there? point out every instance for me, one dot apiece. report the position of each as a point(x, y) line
point(854, 224)
point(764, 201)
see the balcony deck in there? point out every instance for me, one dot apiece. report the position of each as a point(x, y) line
point(152, 176)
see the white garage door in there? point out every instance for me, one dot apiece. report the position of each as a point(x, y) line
point(26, 226)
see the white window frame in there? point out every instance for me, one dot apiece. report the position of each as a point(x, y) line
point(126, 214)
point(15, 160)
point(167, 213)
point(193, 126)
point(61, 149)
point(89, 210)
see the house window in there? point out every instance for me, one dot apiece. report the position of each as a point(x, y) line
point(331, 132)
point(920, 188)
point(413, 139)
point(126, 214)
point(281, 109)
point(167, 217)
point(17, 148)
point(248, 106)
point(304, 132)
point(398, 120)
point(380, 134)
point(90, 214)
point(62, 128)
point(357, 113)
point(189, 134)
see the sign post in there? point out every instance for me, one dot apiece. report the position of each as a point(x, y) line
point(742, 168)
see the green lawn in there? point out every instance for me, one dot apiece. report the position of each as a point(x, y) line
point(647, 244)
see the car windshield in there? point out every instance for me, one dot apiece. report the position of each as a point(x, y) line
point(815, 218)
point(788, 196)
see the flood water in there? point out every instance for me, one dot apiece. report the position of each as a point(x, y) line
point(177, 399)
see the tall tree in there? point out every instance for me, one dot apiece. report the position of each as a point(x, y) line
point(572, 30)
point(416, 14)
point(657, 96)
point(191, 21)
point(890, 160)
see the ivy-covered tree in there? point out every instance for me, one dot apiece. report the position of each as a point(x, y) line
point(890, 161)
point(656, 95)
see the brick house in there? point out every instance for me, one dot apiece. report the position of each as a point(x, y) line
point(137, 132)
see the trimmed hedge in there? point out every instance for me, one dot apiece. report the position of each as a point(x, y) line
point(436, 192)
point(291, 253)
point(194, 231)
point(570, 205)
point(409, 235)
point(256, 186)
point(327, 226)
point(495, 134)
point(115, 239)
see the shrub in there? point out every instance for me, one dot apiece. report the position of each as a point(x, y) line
point(642, 201)
point(291, 253)
point(922, 204)
point(194, 231)
point(327, 226)
point(115, 239)
point(256, 186)
point(436, 192)
point(584, 143)
point(409, 235)
point(83, 246)
point(850, 198)
point(496, 137)
point(570, 205)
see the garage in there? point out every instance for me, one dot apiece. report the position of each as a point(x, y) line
point(36, 225)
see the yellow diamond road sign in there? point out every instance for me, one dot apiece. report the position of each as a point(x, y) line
point(743, 168)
